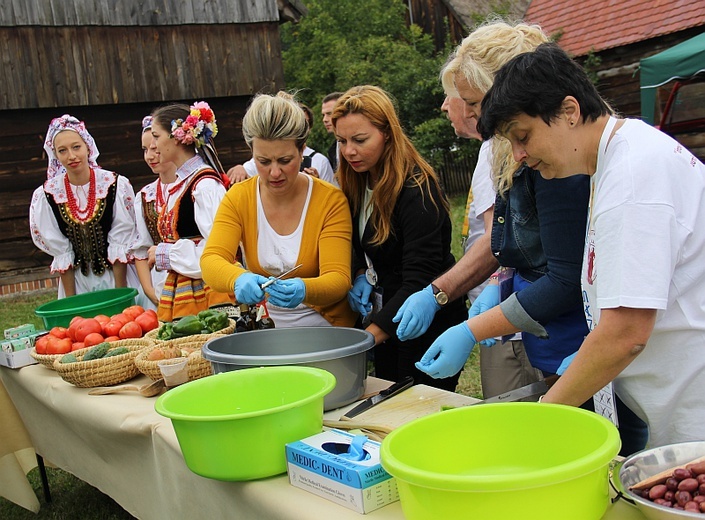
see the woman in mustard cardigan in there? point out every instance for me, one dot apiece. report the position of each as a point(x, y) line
point(282, 218)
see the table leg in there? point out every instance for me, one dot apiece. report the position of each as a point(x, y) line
point(43, 476)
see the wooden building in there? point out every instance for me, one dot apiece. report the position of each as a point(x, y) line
point(453, 19)
point(110, 64)
point(620, 34)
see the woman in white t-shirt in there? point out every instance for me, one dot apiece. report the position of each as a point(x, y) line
point(644, 264)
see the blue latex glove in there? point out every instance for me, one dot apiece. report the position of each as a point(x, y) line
point(356, 451)
point(565, 364)
point(416, 314)
point(359, 295)
point(287, 293)
point(247, 288)
point(489, 297)
point(448, 354)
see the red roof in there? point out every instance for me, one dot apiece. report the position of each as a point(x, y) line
point(604, 24)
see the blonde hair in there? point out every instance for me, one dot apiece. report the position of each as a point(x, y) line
point(478, 58)
point(400, 161)
point(275, 118)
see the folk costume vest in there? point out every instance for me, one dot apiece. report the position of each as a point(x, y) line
point(89, 238)
point(181, 295)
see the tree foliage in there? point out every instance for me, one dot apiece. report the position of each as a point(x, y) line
point(340, 44)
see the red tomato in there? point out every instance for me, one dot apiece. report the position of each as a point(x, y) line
point(74, 320)
point(86, 327)
point(93, 339)
point(133, 311)
point(151, 312)
point(77, 346)
point(41, 344)
point(112, 328)
point(130, 330)
point(59, 346)
point(102, 318)
point(110, 339)
point(147, 322)
point(71, 332)
point(59, 332)
point(120, 317)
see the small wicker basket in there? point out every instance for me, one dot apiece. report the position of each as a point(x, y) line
point(152, 335)
point(48, 359)
point(103, 371)
point(198, 366)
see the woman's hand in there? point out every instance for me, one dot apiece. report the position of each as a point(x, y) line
point(248, 288)
point(448, 354)
point(359, 295)
point(152, 256)
point(287, 293)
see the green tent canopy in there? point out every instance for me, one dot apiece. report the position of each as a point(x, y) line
point(681, 61)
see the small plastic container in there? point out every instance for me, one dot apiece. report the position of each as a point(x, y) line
point(174, 374)
point(505, 461)
point(59, 313)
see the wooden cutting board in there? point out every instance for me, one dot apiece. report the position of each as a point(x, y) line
point(412, 403)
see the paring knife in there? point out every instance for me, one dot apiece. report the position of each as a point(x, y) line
point(272, 280)
point(533, 390)
point(376, 399)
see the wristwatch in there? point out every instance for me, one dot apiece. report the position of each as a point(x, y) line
point(440, 296)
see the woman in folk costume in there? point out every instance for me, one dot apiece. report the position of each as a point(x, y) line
point(148, 204)
point(83, 216)
point(184, 135)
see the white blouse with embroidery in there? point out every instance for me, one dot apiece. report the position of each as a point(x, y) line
point(48, 237)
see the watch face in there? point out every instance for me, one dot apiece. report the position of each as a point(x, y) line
point(441, 298)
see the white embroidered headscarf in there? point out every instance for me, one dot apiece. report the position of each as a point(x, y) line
point(59, 124)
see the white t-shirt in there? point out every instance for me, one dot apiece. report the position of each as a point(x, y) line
point(318, 161)
point(483, 195)
point(645, 248)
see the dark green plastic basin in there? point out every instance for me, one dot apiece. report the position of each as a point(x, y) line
point(59, 313)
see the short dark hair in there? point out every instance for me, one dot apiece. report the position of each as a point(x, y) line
point(332, 97)
point(536, 83)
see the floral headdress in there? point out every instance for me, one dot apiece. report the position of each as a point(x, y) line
point(59, 124)
point(147, 123)
point(198, 128)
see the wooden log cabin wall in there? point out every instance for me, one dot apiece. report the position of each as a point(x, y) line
point(110, 64)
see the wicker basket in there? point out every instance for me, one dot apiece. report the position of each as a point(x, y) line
point(198, 367)
point(46, 359)
point(152, 335)
point(103, 371)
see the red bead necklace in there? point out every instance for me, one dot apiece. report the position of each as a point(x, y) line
point(79, 214)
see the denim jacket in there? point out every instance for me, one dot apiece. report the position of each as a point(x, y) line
point(539, 230)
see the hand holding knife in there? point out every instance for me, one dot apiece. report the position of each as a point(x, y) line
point(285, 273)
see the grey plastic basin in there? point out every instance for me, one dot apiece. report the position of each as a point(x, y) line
point(339, 350)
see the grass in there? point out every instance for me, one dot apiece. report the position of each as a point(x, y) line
point(76, 500)
point(469, 383)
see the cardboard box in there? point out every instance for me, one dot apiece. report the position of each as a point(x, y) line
point(362, 486)
point(19, 331)
point(17, 359)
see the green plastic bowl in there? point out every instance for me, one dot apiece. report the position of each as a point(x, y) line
point(235, 425)
point(504, 461)
point(59, 313)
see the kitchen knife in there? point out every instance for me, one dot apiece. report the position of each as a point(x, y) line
point(533, 390)
point(376, 399)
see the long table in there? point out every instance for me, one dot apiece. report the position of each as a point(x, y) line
point(120, 445)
